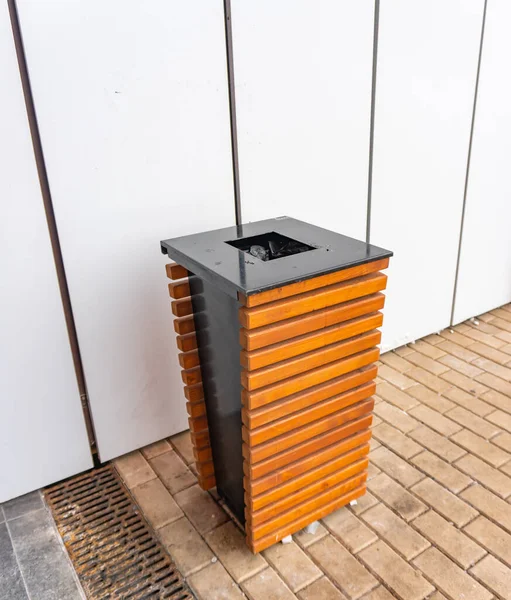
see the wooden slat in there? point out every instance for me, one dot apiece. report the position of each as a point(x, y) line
point(194, 393)
point(197, 424)
point(175, 271)
point(300, 523)
point(189, 360)
point(182, 308)
point(200, 439)
point(279, 390)
point(196, 409)
point(202, 454)
point(257, 470)
point(179, 289)
point(327, 496)
point(315, 412)
point(289, 487)
point(206, 483)
point(184, 325)
point(270, 412)
point(308, 342)
point(186, 343)
point(252, 380)
point(205, 469)
point(352, 476)
point(310, 301)
point(315, 459)
point(191, 376)
point(314, 283)
point(253, 339)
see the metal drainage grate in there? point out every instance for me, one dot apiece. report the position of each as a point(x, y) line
point(113, 550)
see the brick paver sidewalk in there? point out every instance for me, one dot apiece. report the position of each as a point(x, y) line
point(436, 522)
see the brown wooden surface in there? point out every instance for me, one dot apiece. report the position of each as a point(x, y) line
point(186, 343)
point(179, 289)
point(270, 412)
point(191, 376)
point(313, 460)
point(202, 454)
point(253, 339)
point(352, 476)
point(252, 380)
point(269, 355)
point(197, 424)
point(194, 393)
point(322, 409)
point(205, 469)
point(206, 483)
point(175, 271)
point(313, 283)
point(196, 409)
point(301, 522)
point(309, 447)
point(276, 391)
point(184, 325)
point(182, 308)
point(200, 439)
point(189, 360)
point(311, 301)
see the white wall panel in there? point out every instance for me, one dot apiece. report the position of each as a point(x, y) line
point(42, 431)
point(484, 279)
point(132, 104)
point(303, 94)
point(427, 65)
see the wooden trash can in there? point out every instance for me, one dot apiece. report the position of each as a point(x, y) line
point(277, 325)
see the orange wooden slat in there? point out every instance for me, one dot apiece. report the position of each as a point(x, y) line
point(175, 271)
point(194, 393)
point(202, 454)
point(310, 301)
point(191, 376)
point(205, 469)
point(184, 325)
point(200, 439)
point(206, 483)
point(198, 424)
point(179, 289)
point(182, 307)
point(314, 283)
point(189, 360)
point(186, 343)
point(196, 409)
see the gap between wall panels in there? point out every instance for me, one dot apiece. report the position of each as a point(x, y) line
point(52, 225)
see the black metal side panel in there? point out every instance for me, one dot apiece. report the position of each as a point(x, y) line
point(217, 329)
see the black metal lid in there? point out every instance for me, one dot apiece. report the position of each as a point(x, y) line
point(223, 257)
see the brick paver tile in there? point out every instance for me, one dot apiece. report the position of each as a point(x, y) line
point(156, 449)
point(460, 365)
point(293, 565)
point(432, 399)
point(437, 443)
point(396, 441)
point(134, 469)
point(503, 440)
point(396, 467)
point(434, 339)
point(473, 422)
point(372, 470)
point(214, 583)
point(396, 497)
point(497, 400)
point(156, 503)
point(395, 377)
point(453, 542)
point(495, 383)
point(380, 593)
point(481, 447)
point(182, 443)
point(427, 363)
point(447, 504)
point(465, 383)
point(402, 351)
point(494, 575)
point(304, 540)
point(431, 350)
point(495, 369)
point(396, 416)
point(351, 531)
point(398, 575)
point(229, 545)
point(468, 401)
point(363, 503)
point(457, 338)
point(429, 380)
point(391, 394)
point(489, 504)
point(395, 531)
point(484, 338)
point(449, 578)
point(437, 596)
point(435, 420)
point(442, 471)
point(501, 418)
point(489, 476)
point(392, 359)
point(322, 589)
point(492, 537)
point(201, 509)
point(458, 351)
point(501, 324)
point(490, 353)
point(188, 550)
point(173, 472)
point(342, 568)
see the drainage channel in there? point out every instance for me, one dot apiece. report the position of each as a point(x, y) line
point(113, 550)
